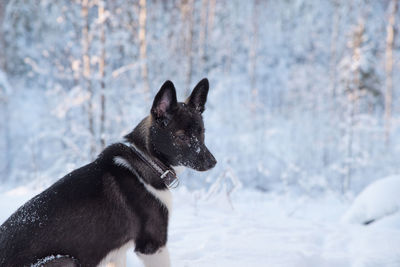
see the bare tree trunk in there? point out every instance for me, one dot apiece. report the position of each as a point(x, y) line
point(187, 10)
point(389, 67)
point(4, 105)
point(86, 73)
point(334, 39)
point(3, 5)
point(76, 63)
point(353, 95)
point(203, 32)
point(5, 112)
point(102, 74)
point(349, 148)
point(211, 16)
point(143, 44)
point(210, 24)
point(253, 56)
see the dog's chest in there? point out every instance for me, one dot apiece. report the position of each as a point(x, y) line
point(163, 196)
point(117, 257)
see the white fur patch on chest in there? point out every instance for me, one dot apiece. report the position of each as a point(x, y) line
point(179, 169)
point(117, 257)
point(164, 196)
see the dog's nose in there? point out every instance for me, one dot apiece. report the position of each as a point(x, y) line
point(212, 162)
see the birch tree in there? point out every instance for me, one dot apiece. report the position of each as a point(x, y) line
point(253, 55)
point(187, 9)
point(203, 32)
point(5, 92)
point(334, 48)
point(102, 72)
point(390, 37)
point(86, 42)
point(352, 90)
point(3, 5)
point(143, 44)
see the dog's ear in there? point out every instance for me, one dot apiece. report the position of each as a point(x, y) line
point(165, 101)
point(198, 97)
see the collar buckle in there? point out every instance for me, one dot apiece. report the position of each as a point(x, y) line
point(170, 179)
point(165, 174)
point(174, 184)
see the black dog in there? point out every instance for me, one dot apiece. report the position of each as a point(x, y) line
point(95, 213)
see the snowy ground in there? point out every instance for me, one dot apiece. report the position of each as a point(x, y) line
point(259, 229)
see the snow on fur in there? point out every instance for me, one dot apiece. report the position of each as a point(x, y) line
point(47, 259)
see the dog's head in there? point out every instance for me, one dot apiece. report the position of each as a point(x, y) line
point(176, 133)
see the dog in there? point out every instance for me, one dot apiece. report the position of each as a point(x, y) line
point(122, 199)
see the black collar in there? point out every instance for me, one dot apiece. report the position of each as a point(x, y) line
point(167, 175)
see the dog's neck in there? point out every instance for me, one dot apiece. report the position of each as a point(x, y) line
point(139, 145)
point(139, 135)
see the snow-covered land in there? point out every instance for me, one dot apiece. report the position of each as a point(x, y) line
point(258, 229)
point(301, 115)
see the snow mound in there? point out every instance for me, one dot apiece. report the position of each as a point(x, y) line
point(377, 200)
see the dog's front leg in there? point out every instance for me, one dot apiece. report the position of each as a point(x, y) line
point(158, 259)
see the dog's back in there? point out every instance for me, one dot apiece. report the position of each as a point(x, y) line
point(66, 219)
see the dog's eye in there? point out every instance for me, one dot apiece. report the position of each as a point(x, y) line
point(182, 138)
